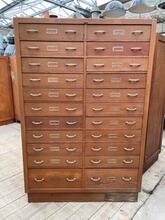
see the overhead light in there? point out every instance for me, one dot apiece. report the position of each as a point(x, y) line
point(140, 7)
point(161, 5)
point(114, 9)
point(95, 13)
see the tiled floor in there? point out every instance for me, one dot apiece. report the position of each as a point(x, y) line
point(14, 205)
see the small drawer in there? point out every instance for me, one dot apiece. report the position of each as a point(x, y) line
point(54, 161)
point(111, 122)
point(50, 65)
point(112, 81)
point(51, 32)
point(111, 149)
point(51, 49)
point(132, 64)
point(53, 109)
point(57, 149)
point(118, 33)
point(52, 123)
point(54, 178)
point(115, 95)
point(113, 136)
point(114, 109)
point(53, 80)
point(31, 94)
point(111, 162)
point(53, 136)
point(111, 178)
point(118, 48)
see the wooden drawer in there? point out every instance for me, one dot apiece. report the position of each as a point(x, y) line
point(54, 161)
point(118, 33)
point(116, 64)
point(54, 178)
point(118, 48)
point(51, 49)
point(50, 65)
point(111, 149)
point(53, 136)
point(122, 95)
point(51, 32)
point(111, 122)
point(111, 81)
point(52, 123)
point(53, 80)
point(114, 136)
point(111, 178)
point(31, 94)
point(53, 109)
point(114, 109)
point(61, 148)
point(111, 162)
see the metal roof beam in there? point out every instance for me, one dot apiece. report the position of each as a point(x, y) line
point(11, 5)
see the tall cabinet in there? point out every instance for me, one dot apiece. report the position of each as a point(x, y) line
point(85, 87)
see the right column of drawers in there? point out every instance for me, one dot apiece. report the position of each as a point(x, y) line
point(116, 69)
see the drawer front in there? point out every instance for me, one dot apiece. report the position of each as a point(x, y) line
point(57, 149)
point(111, 162)
point(54, 161)
point(110, 81)
point(53, 80)
point(50, 65)
point(118, 49)
point(51, 178)
point(51, 49)
point(111, 122)
point(122, 95)
point(31, 94)
point(116, 109)
point(118, 33)
point(111, 178)
point(52, 136)
point(51, 32)
point(111, 149)
point(52, 123)
point(52, 109)
point(117, 64)
point(112, 136)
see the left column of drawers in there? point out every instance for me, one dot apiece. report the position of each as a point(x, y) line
point(52, 59)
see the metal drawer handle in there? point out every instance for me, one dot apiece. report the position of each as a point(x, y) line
point(70, 149)
point(71, 80)
point(71, 122)
point(71, 109)
point(126, 178)
point(36, 109)
point(71, 48)
point(97, 109)
point(34, 64)
point(38, 149)
point(132, 94)
point(97, 122)
point(71, 179)
point(137, 32)
point(100, 32)
point(35, 80)
point(33, 48)
point(134, 64)
point(127, 161)
point(98, 80)
point(97, 95)
point(71, 161)
point(70, 94)
point(95, 161)
point(71, 64)
point(129, 136)
point(97, 136)
point(38, 136)
point(133, 80)
point(136, 48)
point(39, 180)
point(37, 122)
point(38, 161)
point(130, 122)
point(131, 109)
point(98, 64)
point(95, 179)
point(71, 136)
point(99, 48)
point(35, 94)
point(70, 31)
point(32, 30)
point(96, 149)
point(129, 149)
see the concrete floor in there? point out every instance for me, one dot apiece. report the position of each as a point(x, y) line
point(14, 205)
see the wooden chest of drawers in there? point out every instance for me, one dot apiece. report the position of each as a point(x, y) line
point(84, 92)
